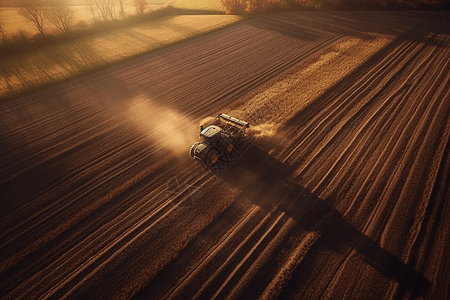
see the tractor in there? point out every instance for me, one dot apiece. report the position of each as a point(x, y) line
point(220, 137)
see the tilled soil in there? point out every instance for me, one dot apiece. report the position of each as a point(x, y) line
point(343, 192)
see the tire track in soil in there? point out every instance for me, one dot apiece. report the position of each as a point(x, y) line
point(42, 159)
point(55, 210)
point(113, 239)
point(435, 65)
point(325, 211)
point(124, 241)
point(232, 261)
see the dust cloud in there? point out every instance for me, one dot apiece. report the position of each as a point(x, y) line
point(206, 121)
point(164, 126)
point(174, 131)
point(263, 130)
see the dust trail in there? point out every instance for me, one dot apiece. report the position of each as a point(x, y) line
point(163, 125)
point(263, 130)
point(205, 121)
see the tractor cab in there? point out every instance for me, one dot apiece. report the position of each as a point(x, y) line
point(210, 135)
point(219, 137)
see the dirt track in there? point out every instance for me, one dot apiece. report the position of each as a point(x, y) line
point(348, 199)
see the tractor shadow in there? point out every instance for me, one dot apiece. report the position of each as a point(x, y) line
point(265, 181)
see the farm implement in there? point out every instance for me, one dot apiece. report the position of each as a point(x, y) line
point(221, 138)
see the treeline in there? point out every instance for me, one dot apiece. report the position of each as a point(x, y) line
point(269, 6)
point(106, 15)
point(60, 13)
point(110, 14)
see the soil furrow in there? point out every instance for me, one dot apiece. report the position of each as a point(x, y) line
point(342, 193)
point(364, 85)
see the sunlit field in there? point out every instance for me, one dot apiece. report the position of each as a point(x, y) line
point(15, 24)
point(341, 188)
point(200, 4)
point(52, 64)
point(24, 72)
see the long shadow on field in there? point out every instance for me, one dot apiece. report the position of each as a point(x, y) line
point(265, 181)
point(313, 25)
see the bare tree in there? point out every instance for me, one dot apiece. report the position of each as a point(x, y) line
point(140, 5)
point(122, 11)
point(102, 8)
point(111, 9)
point(256, 6)
point(106, 9)
point(60, 14)
point(34, 11)
point(234, 7)
point(92, 8)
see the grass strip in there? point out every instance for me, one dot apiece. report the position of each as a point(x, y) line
point(24, 73)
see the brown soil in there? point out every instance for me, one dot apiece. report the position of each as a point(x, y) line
point(346, 197)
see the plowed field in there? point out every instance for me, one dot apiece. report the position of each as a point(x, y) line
point(344, 192)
